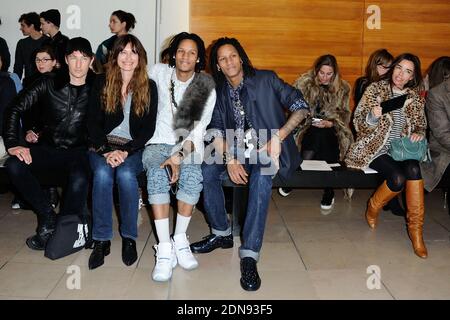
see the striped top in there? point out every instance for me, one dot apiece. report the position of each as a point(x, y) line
point(396, 130)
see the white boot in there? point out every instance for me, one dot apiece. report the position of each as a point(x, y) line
point(165, 261)
point(183, 252)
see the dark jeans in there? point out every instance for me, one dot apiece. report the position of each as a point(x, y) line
point(125, 176)
point(260, 191)
point(71, 163)
point(396, 172)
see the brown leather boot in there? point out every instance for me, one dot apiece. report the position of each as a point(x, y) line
point(415, 215)
point(379, 199)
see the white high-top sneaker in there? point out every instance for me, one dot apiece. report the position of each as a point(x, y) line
point(165, 261)
point(183, 252)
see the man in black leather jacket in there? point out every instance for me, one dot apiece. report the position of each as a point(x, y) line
point(62, 143)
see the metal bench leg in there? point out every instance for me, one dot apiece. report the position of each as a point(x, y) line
point(240, 199)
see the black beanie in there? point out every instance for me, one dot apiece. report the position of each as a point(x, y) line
point(53, 16)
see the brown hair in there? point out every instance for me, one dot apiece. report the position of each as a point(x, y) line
point(378, 57)
point(139, 84)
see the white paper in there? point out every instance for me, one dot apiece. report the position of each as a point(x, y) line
point(315, 165)
point(334, 165)
point(369, 170)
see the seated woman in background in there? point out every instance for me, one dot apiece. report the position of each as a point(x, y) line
point(45, 60)
point(120, 23)
point(377, 66)
point(375, 132)
point(122, 117)
point(328, 136)
point(438, 112)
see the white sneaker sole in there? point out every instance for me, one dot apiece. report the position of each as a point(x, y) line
point(324, 207)
point(282, 193)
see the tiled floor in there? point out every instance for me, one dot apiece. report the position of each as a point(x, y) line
point(307, 254)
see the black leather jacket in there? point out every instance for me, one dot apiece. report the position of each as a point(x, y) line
point(64, 115)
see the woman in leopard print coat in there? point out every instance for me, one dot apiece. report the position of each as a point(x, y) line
point(376, 130)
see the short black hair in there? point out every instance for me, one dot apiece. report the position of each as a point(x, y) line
point(31, 18)
point(175, 42)
point(247, 66)
point(79, 44)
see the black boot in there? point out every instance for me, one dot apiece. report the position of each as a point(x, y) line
point(45, 228)
point(101, 250)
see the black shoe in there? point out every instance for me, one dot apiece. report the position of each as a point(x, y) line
point(250, 279)
point(101, 250)
point(38, 242)
point(327, 199)
point(284, 192)
point(212, 242)
point(395, 207)
point(129, 253)
point(44, 230)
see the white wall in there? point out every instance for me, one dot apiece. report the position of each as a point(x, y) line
point(90, 18)
point(173, 19)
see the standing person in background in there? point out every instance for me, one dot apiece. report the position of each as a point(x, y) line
point(50, 22)
point(4, 52)
point(375, 131)
point(122, 116)
point(328, 136)
point(30, 26)
point(120, 23)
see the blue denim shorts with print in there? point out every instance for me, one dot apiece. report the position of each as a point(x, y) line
point(158, 187)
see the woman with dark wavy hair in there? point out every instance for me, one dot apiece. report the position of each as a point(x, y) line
point(122, 116)
point(375, 132)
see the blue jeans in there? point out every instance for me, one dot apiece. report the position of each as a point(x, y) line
point(260, 191)
point(125, 176)
point(158, 187)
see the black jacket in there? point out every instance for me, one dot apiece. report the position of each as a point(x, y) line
point(64, 113)
point(100, 123)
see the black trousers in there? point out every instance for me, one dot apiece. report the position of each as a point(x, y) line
point(396, 172)
point(71, 163)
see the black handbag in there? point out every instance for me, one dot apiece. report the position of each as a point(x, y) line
point(72, 233)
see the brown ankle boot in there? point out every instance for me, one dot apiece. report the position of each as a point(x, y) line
point(415, 215)
point(379, 199)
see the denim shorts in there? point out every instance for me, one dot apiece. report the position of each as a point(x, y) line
point(190, 183)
